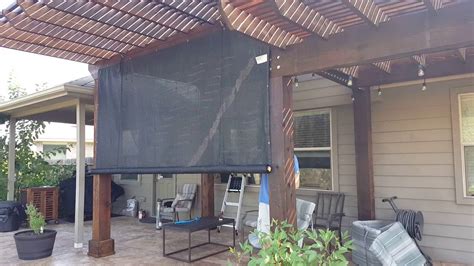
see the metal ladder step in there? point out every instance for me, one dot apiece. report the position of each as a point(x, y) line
point(234, 184)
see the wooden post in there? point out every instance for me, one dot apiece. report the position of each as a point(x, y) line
point(11, 160)
point(207, 195)
point(80, 173)
point(101, 244)
point(363, 152)
point(282, 178)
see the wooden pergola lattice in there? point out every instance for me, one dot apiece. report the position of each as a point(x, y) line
point(371, 42)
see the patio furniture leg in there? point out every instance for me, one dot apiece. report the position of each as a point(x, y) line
point(164, 252)
point(208, 235)
point(189, 248)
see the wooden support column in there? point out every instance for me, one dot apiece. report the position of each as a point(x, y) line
point(282, 178)
point(207, 195)
point(101, 244)
point(80, 173)
point(363, 153)
point(11, 160)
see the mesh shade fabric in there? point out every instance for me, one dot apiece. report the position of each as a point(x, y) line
point(197, 107)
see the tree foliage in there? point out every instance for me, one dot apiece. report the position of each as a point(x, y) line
point(31, 168)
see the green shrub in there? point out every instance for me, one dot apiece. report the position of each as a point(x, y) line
point(35, 219)
point(280, 247)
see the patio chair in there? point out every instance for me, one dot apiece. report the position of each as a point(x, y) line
point(329, 211)
point(304, 216)
point(183, 202)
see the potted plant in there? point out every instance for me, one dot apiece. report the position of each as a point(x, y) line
point(38, 242)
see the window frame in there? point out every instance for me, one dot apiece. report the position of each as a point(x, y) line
point(458, 145)
point(332, 149)
point(130, 182)
point(57, 144)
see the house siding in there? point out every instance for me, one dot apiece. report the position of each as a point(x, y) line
point(413, 159)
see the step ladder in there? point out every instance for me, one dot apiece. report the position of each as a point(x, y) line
point(235, 184)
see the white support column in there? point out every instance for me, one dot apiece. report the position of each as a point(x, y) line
point(80, 174)
point(11, 160)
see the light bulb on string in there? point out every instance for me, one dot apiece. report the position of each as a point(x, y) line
point(349, 81)
point(297, 84)
point(421, 71)
point(423, 86)
point(379, 91)
point(353, 98)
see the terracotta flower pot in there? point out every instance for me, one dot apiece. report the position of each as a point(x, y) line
point(31, 246)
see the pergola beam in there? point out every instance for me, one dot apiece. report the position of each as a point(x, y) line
point(255, 27)
point(367, 10)
point(405, 36)
point(307, 18)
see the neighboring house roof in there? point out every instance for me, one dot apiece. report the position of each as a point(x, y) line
point(56, 104)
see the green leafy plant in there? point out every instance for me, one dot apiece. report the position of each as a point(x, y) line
point(285, 245)
point(35, 219)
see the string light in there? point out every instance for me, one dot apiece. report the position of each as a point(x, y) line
point(353, 98)
point(349, 81)
point(423, 86)
point(379, 91)
point(296, 82)
point(421, 71)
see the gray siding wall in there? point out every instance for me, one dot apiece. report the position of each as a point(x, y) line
point(413, 159)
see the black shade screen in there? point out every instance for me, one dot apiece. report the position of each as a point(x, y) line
point(201, 106)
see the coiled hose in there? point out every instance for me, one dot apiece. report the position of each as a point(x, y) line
point(412, 221)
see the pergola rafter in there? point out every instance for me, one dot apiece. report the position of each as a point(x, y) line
point(306, 17)
point(385, 66)
point(52, 16)
point(103, 16)
point(202, 11)
point(368, 11)
point(9, 32)
point(420, 59)
point(255, 27)
point(122, 29)
point(24, 23)
point(433, 5)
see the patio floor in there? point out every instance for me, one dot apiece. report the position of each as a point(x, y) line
point(135, 243)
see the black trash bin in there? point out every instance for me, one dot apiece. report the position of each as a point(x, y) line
point(11, 216)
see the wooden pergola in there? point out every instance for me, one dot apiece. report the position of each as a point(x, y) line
point(369, 42)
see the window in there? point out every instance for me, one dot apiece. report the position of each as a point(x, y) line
point(252, 179)
point(462, 106)
point(129, 178)
point(466, 110)
point(55, 152)
point(312, 139)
